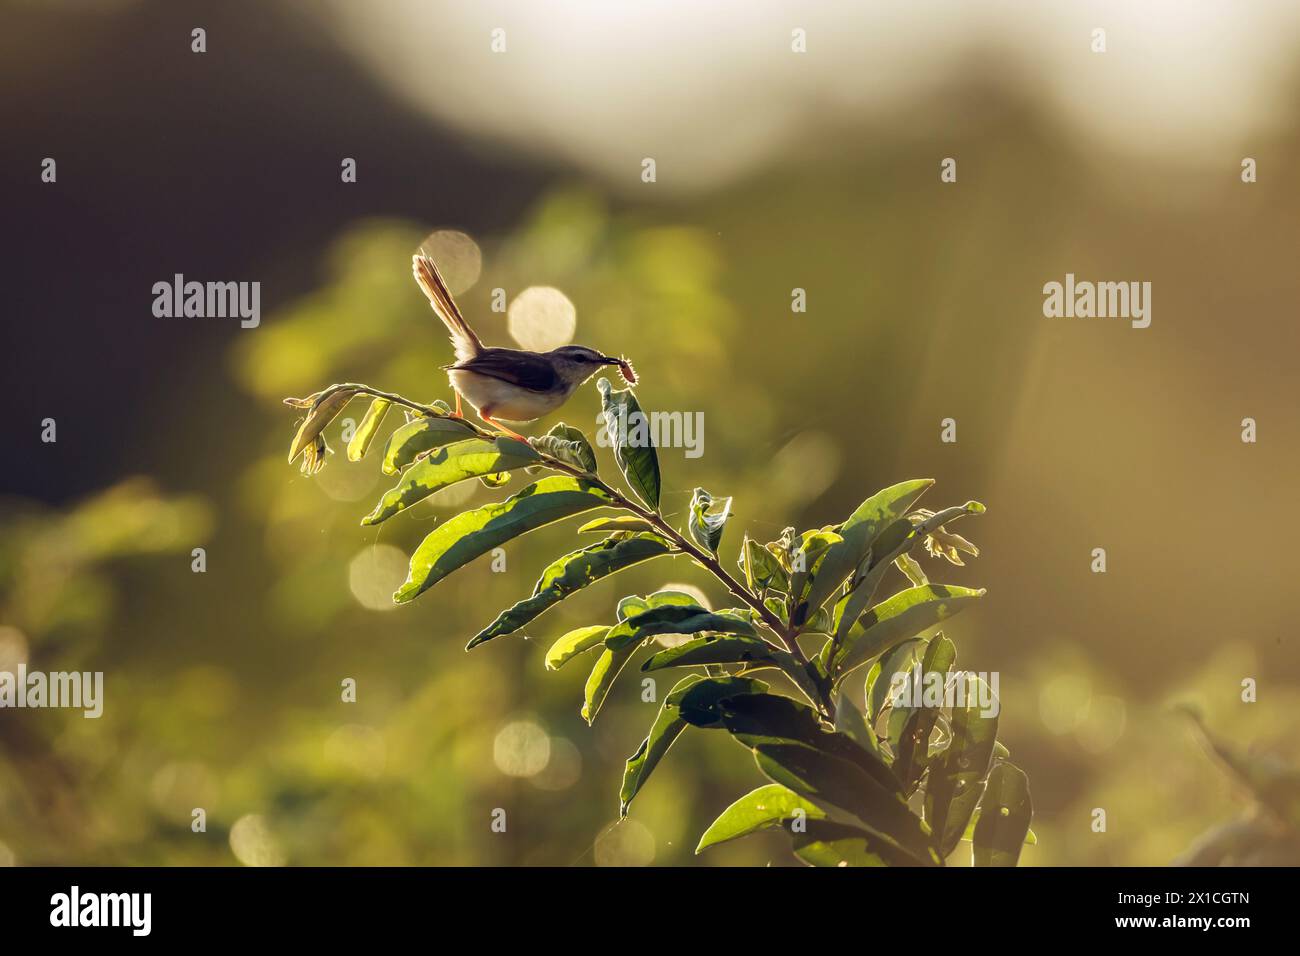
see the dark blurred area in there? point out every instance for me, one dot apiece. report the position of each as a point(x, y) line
point(924, 302)
point(221, 164)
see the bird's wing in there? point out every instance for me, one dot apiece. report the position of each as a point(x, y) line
point(463, 339)
point(525, 369)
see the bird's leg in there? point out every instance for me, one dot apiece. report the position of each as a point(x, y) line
point(496, 424)
point(457, 413)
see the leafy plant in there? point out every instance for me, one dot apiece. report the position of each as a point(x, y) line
point(899, 782)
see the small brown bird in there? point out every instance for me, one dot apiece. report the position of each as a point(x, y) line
point(513, 385)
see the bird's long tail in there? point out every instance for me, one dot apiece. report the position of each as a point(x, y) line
point(463, 339)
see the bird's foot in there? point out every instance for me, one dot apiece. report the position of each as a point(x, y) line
point(502, 428)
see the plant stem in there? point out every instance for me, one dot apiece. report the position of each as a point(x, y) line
point(406, 402)
point(709, 561)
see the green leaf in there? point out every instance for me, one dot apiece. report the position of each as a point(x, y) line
point(776, 605)
point(879, 511)
point(634, 604)
point(862, 586)
point(365, 433)
point(819, 622)
point(628, 429)
point(768, 807)
point(900, 659)
point(708, 518)
point(697, 703)
point(611, 523)
point(574, 643)
point(1031, 838)
point(894, 620)
point(825, 778)
point(675, 619)
point(469, 535)
point(857, 535)
point(664, 731)
point(827, 843)
point(323, 408)
point(1005, 812)
point(912, 569)
point(700, 703)
point(762, 718)
point(850, 722)
point(601, 679)
point(570, 574)
point(892, 543)
point(714, 649)
point(784, 548)
point(569, 445)
point(910, 727)
point(792, 750)
point(954, 783)
point(812, 547)
point(803, 675)
point(474, 458)
point(762, 569)
point(418, 436)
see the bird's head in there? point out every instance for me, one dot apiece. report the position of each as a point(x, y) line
point(577, 363)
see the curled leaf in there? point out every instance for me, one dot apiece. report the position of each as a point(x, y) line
point(708, 518)
point(634, 604)
point(763, 571)
point(322, 408)
point(313, 456)
point(569, 445)
point(941, 543)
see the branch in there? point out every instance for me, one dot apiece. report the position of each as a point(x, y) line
point(709, 561)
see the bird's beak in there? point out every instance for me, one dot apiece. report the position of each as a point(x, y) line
point(624, 368)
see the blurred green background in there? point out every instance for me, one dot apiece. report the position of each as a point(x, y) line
point(924, 302)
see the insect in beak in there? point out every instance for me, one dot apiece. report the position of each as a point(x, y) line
point(624, 368)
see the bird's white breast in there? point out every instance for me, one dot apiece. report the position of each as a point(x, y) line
point(502, 400)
